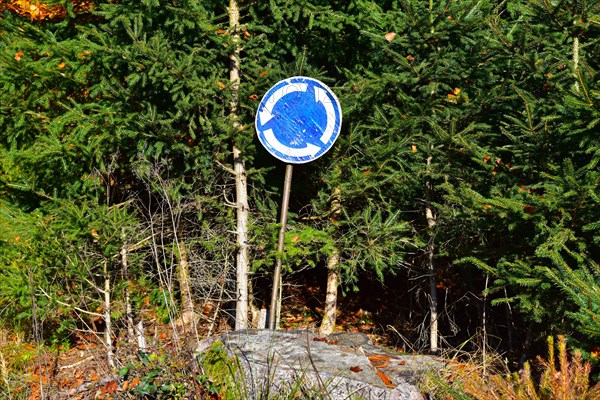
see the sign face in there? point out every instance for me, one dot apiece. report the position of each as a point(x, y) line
point(298, 120)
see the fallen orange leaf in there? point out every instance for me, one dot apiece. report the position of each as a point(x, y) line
point(385, 379)
point(379, 357)
point(110, 387)
point(379, 360)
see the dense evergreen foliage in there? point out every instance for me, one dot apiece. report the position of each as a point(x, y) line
point(469, 152)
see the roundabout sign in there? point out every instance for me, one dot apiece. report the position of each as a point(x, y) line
point(298, 120)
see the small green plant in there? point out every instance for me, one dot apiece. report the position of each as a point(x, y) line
point(158, 376)
point(163, 305)
point(221, 373)
point(210, 388)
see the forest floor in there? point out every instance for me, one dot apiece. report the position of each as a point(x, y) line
point(79, 370)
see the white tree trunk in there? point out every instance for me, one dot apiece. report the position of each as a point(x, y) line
point(333, 270)
point(242, 261)
point(107, 317)
point(141, 338)
point(241, 186)
point(433, 327)
point(431, 223)
point(128, 308)
point(188, 314)
point(329, 314)
point(484, 326)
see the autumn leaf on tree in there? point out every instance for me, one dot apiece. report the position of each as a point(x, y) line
point(38, 11)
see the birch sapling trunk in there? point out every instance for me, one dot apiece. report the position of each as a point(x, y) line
point(431, 223)
point(188, 314)
point(484, 326)
point(135, 332)
point(107, 317)
point(576, 62)
point(128, 307)
point(239, 169)
point(333, 271)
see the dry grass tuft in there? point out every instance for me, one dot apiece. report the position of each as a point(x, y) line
point(565, 378)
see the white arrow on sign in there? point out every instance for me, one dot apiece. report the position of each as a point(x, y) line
point(267, 113)
point(278, 140)
point(309, 150)
point(321, 96)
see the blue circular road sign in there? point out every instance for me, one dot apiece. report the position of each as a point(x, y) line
point(298, 120)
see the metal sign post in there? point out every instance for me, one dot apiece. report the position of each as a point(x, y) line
point(298, 120)
point(287, 188)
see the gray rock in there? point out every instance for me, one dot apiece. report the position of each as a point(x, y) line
point(343, 365)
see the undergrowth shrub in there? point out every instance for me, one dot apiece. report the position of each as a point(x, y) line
point(161, 376)
point(15, 356)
